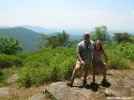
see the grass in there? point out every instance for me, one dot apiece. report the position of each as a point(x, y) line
point(49, 95)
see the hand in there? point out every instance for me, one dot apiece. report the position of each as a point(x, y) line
point(105, 63)
point(82, 62)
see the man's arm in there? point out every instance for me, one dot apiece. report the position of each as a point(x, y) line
point(79, 58)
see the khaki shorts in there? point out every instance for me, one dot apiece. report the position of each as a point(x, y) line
point(98, 65)
point(85, 67)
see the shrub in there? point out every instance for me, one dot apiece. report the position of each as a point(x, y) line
point(120, 55)
point(9, 60)
point(47, 65)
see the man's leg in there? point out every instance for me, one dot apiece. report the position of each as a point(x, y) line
point(85, 77)
point(74, 73)
point(86, 69)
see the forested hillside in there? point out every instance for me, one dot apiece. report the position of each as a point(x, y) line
point(26, 37)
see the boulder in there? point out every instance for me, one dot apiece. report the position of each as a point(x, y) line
point(4, 91)
point(12, 79)
point(61, 91)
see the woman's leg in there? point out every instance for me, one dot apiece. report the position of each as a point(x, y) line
point(104, 73)
point(94, 73)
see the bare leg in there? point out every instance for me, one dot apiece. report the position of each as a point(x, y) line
point(75, 72)
point(85, 77)
point(104, 73)
point(85, 74)
point(94, 73)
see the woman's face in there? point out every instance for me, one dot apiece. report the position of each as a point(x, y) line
point(97, 45)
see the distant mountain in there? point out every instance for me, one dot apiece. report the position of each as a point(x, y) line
point(4, 27)
point(28, 37)
point(25, 37)
point(38, 29)
point(71, 36)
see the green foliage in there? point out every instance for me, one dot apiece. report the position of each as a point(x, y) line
point(48, 65)
point(61, 39)
point(9, 47)
point(120, 55)
point(122, 37)
point(25, 37)
point(131, 39)
point(50, 96)
point(1, 76)
point(9, 61)
point(43, 41)
point(101, 34)
point(4, 74)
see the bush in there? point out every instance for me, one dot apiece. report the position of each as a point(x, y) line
point(120, 55)
point(7, 61)
point(47, 65)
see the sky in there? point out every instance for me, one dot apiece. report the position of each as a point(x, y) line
point(69, 14)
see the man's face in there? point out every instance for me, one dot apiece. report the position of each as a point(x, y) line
point(86, 38)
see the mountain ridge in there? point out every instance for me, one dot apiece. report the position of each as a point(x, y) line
point(24, 36)
point(27, 37)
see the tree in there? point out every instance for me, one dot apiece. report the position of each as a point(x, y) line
point(132, 39)
point(61, 39)
point(52, 42)
point(101, 34)
point(121, 37)
point(43, 41)
point(10, 46)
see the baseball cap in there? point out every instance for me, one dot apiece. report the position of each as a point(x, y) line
point(86, 33)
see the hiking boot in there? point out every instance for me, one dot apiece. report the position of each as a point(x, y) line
point(104, 81)
point(85, 83)
point(70, 83)
point(92, 83)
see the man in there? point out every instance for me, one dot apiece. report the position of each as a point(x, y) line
point(84, 54)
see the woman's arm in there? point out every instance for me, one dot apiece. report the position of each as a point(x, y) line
point(106, 58)
point(105, 55)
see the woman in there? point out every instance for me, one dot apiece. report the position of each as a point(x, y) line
point(97, 61)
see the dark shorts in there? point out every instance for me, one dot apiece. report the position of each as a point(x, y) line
point(84, 68)
point(98, 65)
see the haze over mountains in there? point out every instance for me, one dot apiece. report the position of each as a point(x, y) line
point(27, 35)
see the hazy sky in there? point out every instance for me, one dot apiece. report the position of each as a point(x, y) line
point(66, 14)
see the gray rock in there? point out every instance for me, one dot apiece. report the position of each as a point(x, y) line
point(6, 91)
point(109, 92)
point(110, 72)
point(12, 79)
point(61, 91)
point(37, 97)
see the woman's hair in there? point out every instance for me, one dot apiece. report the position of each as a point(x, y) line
point(98, 41)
